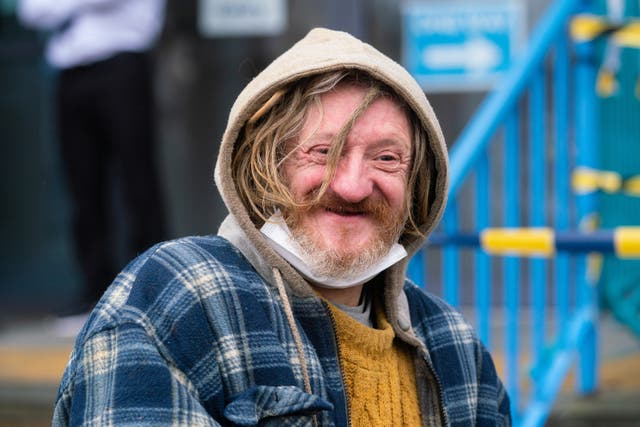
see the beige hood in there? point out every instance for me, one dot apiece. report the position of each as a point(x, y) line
point(326, 50)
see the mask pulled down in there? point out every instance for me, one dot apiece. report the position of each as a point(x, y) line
point(281, 239)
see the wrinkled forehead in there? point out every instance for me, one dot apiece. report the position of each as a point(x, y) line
point(357, 87)
point(354, 103)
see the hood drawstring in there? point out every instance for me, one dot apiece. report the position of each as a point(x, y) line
point(294, 330)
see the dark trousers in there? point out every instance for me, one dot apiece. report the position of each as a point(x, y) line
point(106, 127)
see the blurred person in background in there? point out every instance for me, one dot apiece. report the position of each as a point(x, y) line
point(334, 170)
point(105, 125)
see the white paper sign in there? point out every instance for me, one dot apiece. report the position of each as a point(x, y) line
point(220, 18)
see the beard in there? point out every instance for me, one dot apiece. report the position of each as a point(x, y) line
point(344, 260)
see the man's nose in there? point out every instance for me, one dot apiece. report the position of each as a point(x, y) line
point(351, 180)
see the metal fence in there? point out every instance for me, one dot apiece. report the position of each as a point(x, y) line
point(542, 119)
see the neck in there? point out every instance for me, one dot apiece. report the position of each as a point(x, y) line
point(347, 296)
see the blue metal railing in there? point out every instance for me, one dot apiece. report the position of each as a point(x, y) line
point(560, 121)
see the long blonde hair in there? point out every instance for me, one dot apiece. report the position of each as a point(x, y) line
point(260, 149)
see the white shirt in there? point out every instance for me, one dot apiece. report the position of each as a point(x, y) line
point(86, 31)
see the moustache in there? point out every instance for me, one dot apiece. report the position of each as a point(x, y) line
point(378, 209)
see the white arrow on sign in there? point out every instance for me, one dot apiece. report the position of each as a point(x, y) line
point(477, 54)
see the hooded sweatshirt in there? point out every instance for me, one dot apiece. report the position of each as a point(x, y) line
point(221, 330)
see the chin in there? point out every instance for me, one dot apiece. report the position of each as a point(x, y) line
point(341, 243)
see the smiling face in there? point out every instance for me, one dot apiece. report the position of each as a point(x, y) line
point(362, 211)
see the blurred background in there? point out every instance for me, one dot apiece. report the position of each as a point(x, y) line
point(196, 79)
point(205, 53)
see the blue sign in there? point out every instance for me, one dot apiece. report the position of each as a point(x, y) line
point(460, 45)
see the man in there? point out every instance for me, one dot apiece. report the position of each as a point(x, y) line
point(334, 171)
point(105, 108)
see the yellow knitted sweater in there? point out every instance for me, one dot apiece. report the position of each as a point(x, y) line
point(378, 373)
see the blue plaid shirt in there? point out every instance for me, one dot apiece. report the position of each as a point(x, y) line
point(190, 334)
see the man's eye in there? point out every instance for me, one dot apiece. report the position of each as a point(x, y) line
point(388, 158)
point(320, 151)
point(318, 154)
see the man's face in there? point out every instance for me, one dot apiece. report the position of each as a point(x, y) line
point(362, 212)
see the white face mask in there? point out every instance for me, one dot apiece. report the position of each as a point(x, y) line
point(282, 241)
